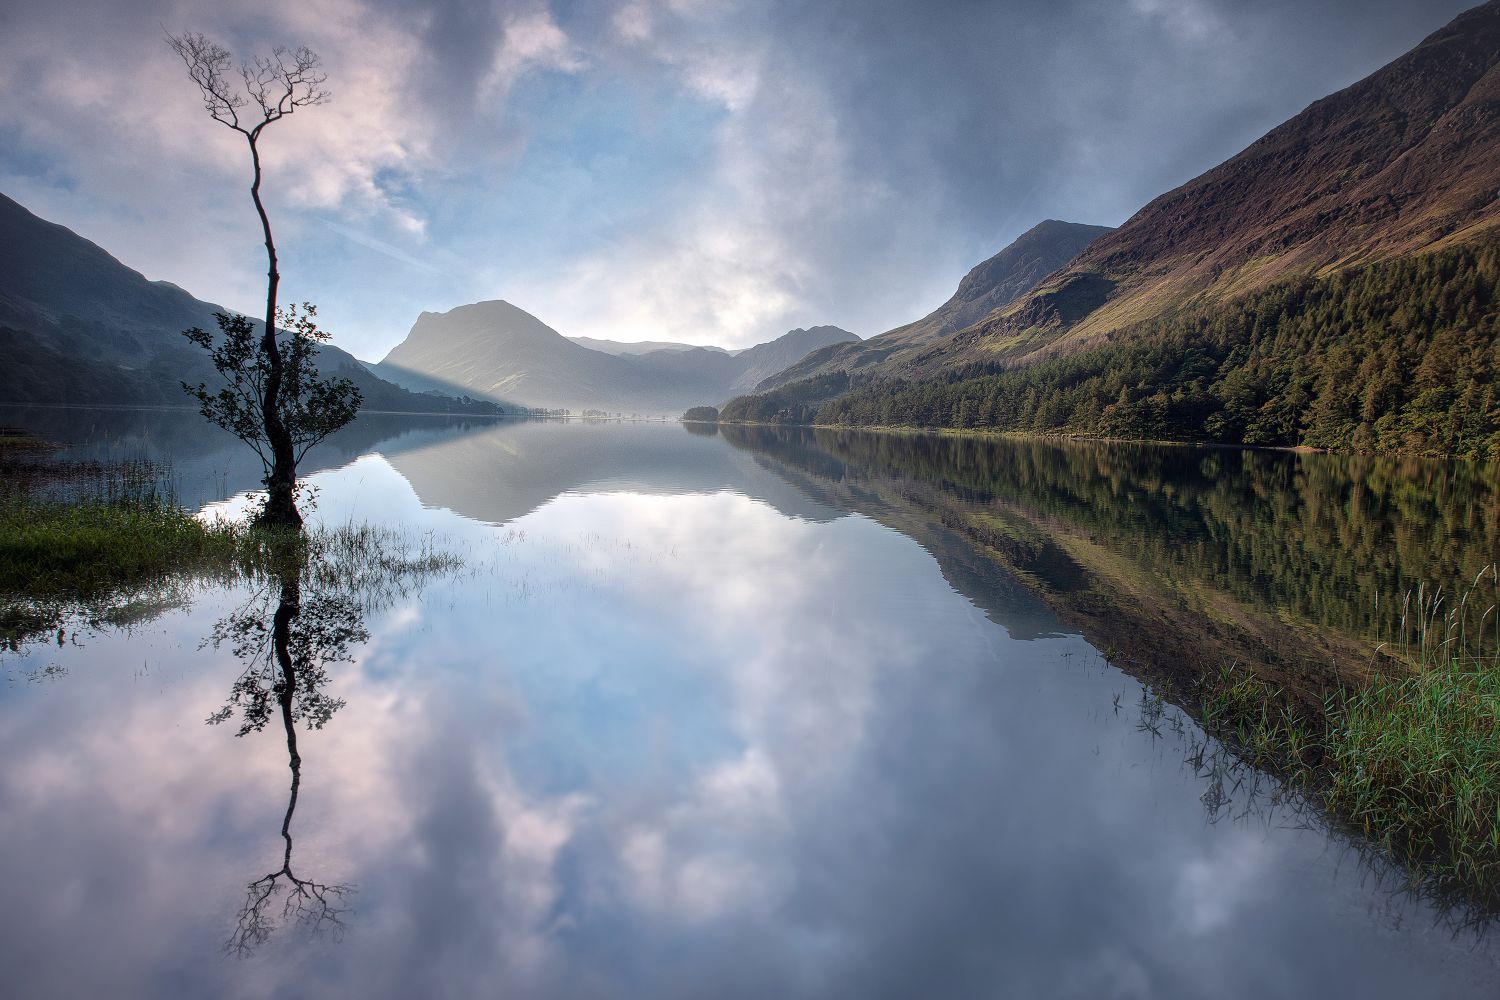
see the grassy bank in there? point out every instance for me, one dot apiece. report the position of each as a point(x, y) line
point(1410, 759)
point(98, 541)
point(86, 548)
point(82, 529)
point(86, 544)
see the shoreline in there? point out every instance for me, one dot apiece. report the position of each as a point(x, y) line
point(997, 435)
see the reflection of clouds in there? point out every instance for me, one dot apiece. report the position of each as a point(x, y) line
point(759, 591)
point(472, 892)
point(709, 750)
point(1213, 889)
point(700, 860)
point(756, 591)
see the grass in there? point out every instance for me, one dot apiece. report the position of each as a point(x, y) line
point(1411, 758)
point(74, 550)
point(100, 541)
point(95, 544)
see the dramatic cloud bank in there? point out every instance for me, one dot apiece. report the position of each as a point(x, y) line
point(714, 171)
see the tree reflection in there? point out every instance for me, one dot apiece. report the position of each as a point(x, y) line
point(305, 614)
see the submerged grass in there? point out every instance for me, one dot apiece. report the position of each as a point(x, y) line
point(1411, 758)
point(105, 544)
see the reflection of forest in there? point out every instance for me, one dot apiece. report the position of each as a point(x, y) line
point(1179, 555)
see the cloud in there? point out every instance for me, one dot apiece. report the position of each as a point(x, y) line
point(704, 170)
point(379, 246)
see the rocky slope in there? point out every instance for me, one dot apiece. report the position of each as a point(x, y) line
point(1403, 162)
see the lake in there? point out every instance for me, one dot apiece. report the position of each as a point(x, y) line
point(747, 713)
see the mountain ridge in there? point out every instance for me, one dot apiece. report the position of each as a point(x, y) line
point(1334, 285)
point(990, 284)
point(495, 349)
point(1398, 163)
point(77, 324)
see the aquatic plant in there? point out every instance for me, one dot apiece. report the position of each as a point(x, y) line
point(1411, 758)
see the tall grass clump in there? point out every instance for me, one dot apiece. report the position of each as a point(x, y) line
point(98, 541)
point(1414, 763)
point(1411, 757)
point(53, 548)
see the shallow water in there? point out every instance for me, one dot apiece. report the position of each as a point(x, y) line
point(751, 714)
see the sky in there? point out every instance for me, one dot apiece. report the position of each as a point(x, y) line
point(706, 171)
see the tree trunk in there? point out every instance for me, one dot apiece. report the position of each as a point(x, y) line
point(281, 480)
point(281, 641)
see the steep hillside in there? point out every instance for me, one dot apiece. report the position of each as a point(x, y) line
point(1399, 356)
point(78, 326)
point(766, 360)
point(1403, 162)
point(496, 350)
point(1012, 272)
point(1335, 285)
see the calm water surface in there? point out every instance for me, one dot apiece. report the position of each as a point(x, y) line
point(748, 715)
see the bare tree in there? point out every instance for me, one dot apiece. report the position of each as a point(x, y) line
point(267, 395)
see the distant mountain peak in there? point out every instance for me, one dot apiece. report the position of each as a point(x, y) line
point(989, 285)
point(494, 349)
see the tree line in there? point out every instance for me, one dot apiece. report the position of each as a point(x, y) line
point(1400, 356)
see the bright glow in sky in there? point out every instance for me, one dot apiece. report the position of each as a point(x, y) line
point(712, 171)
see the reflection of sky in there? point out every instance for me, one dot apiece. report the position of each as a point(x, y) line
point(666, 744)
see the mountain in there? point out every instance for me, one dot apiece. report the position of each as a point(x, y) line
point(496, 350)
point(1400, 163)
point(766, 360)
point(78, 326)
point(794, 393)
point(1334, 285)
point(1012, 272)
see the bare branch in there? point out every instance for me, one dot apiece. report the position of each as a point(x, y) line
point(276, 85)
point(207, 64)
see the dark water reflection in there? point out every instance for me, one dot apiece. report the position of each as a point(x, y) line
point(748, 715)
point(1180, 557)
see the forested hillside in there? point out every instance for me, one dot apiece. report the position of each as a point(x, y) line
point(1399, 356)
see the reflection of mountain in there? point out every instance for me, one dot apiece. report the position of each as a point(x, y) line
point(997, 590)
point(209, 464)
point(515, 467)
point(1173, 558)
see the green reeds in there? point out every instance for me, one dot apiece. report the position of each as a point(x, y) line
point(1411, 758)
point(52, 548)
point(91, 544)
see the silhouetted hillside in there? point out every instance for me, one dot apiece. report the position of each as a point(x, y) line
point(78, 326)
